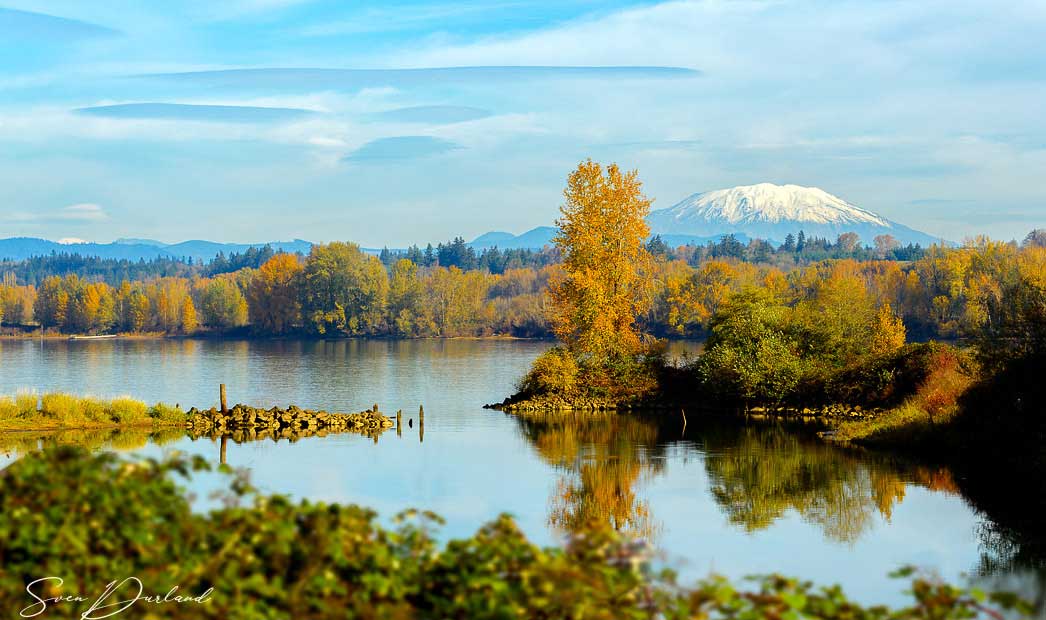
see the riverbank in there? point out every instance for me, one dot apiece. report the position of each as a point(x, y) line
point(60, 411)
point(243, 335)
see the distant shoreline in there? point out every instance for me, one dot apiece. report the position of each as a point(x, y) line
point(162, 336)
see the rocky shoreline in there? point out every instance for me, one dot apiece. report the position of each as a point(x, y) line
point(558, 404)
point(290, 421)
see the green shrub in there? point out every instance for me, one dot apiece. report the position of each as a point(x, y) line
point(95, 410)
point(65, 512)
point(554, 372)
point(63, 408)
point(125, 410)
point(27, 404)
point(166, 414)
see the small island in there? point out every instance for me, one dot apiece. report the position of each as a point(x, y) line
point(818, 344)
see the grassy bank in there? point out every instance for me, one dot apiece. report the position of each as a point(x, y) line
point(58, 410)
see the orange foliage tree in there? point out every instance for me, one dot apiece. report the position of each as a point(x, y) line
point(594, 305)
point(273, 294)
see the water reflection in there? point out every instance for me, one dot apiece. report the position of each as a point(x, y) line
point(16, 444)
point(757, 474)
point(737, 500)
point(602, 458)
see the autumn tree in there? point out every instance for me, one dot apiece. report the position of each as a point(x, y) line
point(273, 295)
point(405, 308)
point(166, 299)
point(52, 303)
point(91, 308)
point(457, 301)
point(137, 310)
point(16, 303)
point(885, 244)
point(190, 322)
point(343, 290)
point(222, 305)
point(601, 237)
point(848, 242)
point(888, 332)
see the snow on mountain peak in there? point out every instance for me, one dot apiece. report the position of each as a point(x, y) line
point(769, 203)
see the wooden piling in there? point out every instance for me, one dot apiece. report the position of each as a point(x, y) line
point(221, 393)
point(221, 456)
point(399, 423)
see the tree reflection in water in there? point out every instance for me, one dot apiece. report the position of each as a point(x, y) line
point(757, 474)
point(602, 457)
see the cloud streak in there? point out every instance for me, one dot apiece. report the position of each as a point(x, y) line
point(193, 112)
point(353, 79)
point(433, 114)
point(85, 212)
point(400, 148)
point(27, 25)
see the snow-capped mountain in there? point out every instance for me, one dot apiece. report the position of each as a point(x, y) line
point(769, 211)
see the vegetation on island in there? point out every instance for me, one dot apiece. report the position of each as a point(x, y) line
point(266, 556)
point(829, 338)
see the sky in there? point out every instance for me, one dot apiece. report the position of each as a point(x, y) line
point(391, 122)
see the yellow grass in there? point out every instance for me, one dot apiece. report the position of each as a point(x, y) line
point(26, 411)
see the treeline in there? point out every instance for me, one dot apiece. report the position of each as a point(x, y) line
point(457, 253)
point(340, 290)
point(114, 271)
point(796, 250)
point(337, 290)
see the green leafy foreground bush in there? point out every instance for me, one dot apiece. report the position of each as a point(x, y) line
point(95, 519)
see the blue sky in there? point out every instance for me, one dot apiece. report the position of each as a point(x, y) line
point(396, 122)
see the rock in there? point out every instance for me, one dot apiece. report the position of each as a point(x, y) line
point(248, 422)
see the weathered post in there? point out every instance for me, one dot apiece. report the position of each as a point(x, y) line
point(399, 423)
point(421, 423)
point(221, 392)
point(221, 457)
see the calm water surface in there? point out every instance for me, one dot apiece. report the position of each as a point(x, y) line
point(729, 498)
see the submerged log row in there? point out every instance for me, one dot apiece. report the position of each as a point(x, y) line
point(276, 420)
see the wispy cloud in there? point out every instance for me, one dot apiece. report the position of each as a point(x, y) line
point(401, 18)
point(401, 147)
point(306, 79)
point(21, 25)
point(194, 112)
point(433, 114)
point(83, 213)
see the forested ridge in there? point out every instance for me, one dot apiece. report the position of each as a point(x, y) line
point(454, 290)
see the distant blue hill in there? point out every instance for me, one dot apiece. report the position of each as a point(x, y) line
point(537, 238)
point(21, 248)
point(533, 239)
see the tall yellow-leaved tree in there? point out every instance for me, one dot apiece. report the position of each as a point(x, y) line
point(594, 305)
